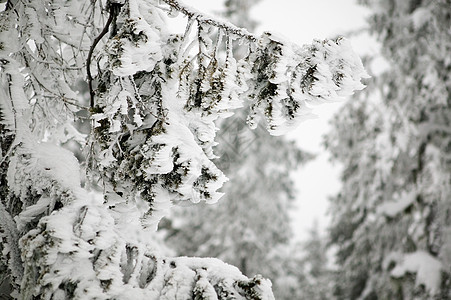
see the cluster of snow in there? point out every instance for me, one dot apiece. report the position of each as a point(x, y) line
point(288, 79)
point(36, 168)
point(393, 208)
point(138, 46)
point(79, 252)
point(426, 267)
point(420, 17)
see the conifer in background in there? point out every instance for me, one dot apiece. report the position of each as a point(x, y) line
point(391, 221)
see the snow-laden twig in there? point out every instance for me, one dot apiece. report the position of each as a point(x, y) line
point(205, 19)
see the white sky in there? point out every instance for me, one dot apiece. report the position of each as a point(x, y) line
point(301, 21)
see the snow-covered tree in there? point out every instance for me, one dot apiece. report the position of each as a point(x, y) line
point(154, 98)
point(391, 220)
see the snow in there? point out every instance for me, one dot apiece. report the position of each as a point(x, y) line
point(393, 208)
point(81, 243)
point(45, 165)
point(60, 164)
point(135, 56)
point(7, 116)
point(427, 268)
point(204, 287)
point(420, 16)
point(292, 79)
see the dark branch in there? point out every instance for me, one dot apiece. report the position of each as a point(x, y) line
point(114, 10)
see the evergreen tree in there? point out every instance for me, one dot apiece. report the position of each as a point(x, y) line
point(153, 99)
point(391, 220)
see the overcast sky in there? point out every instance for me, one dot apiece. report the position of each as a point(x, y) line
point(302, 21)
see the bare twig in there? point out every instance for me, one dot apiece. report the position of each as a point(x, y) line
point(202, 18)
point(113, 13)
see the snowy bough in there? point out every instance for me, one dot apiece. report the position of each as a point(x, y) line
point(154, 98)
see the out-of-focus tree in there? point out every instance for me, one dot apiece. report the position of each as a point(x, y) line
point(392, 218)
point(317, 270)
point(301, 270)
point(238, 12)
point(154, 98)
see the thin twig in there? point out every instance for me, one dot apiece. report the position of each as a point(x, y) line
point(202, 18)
